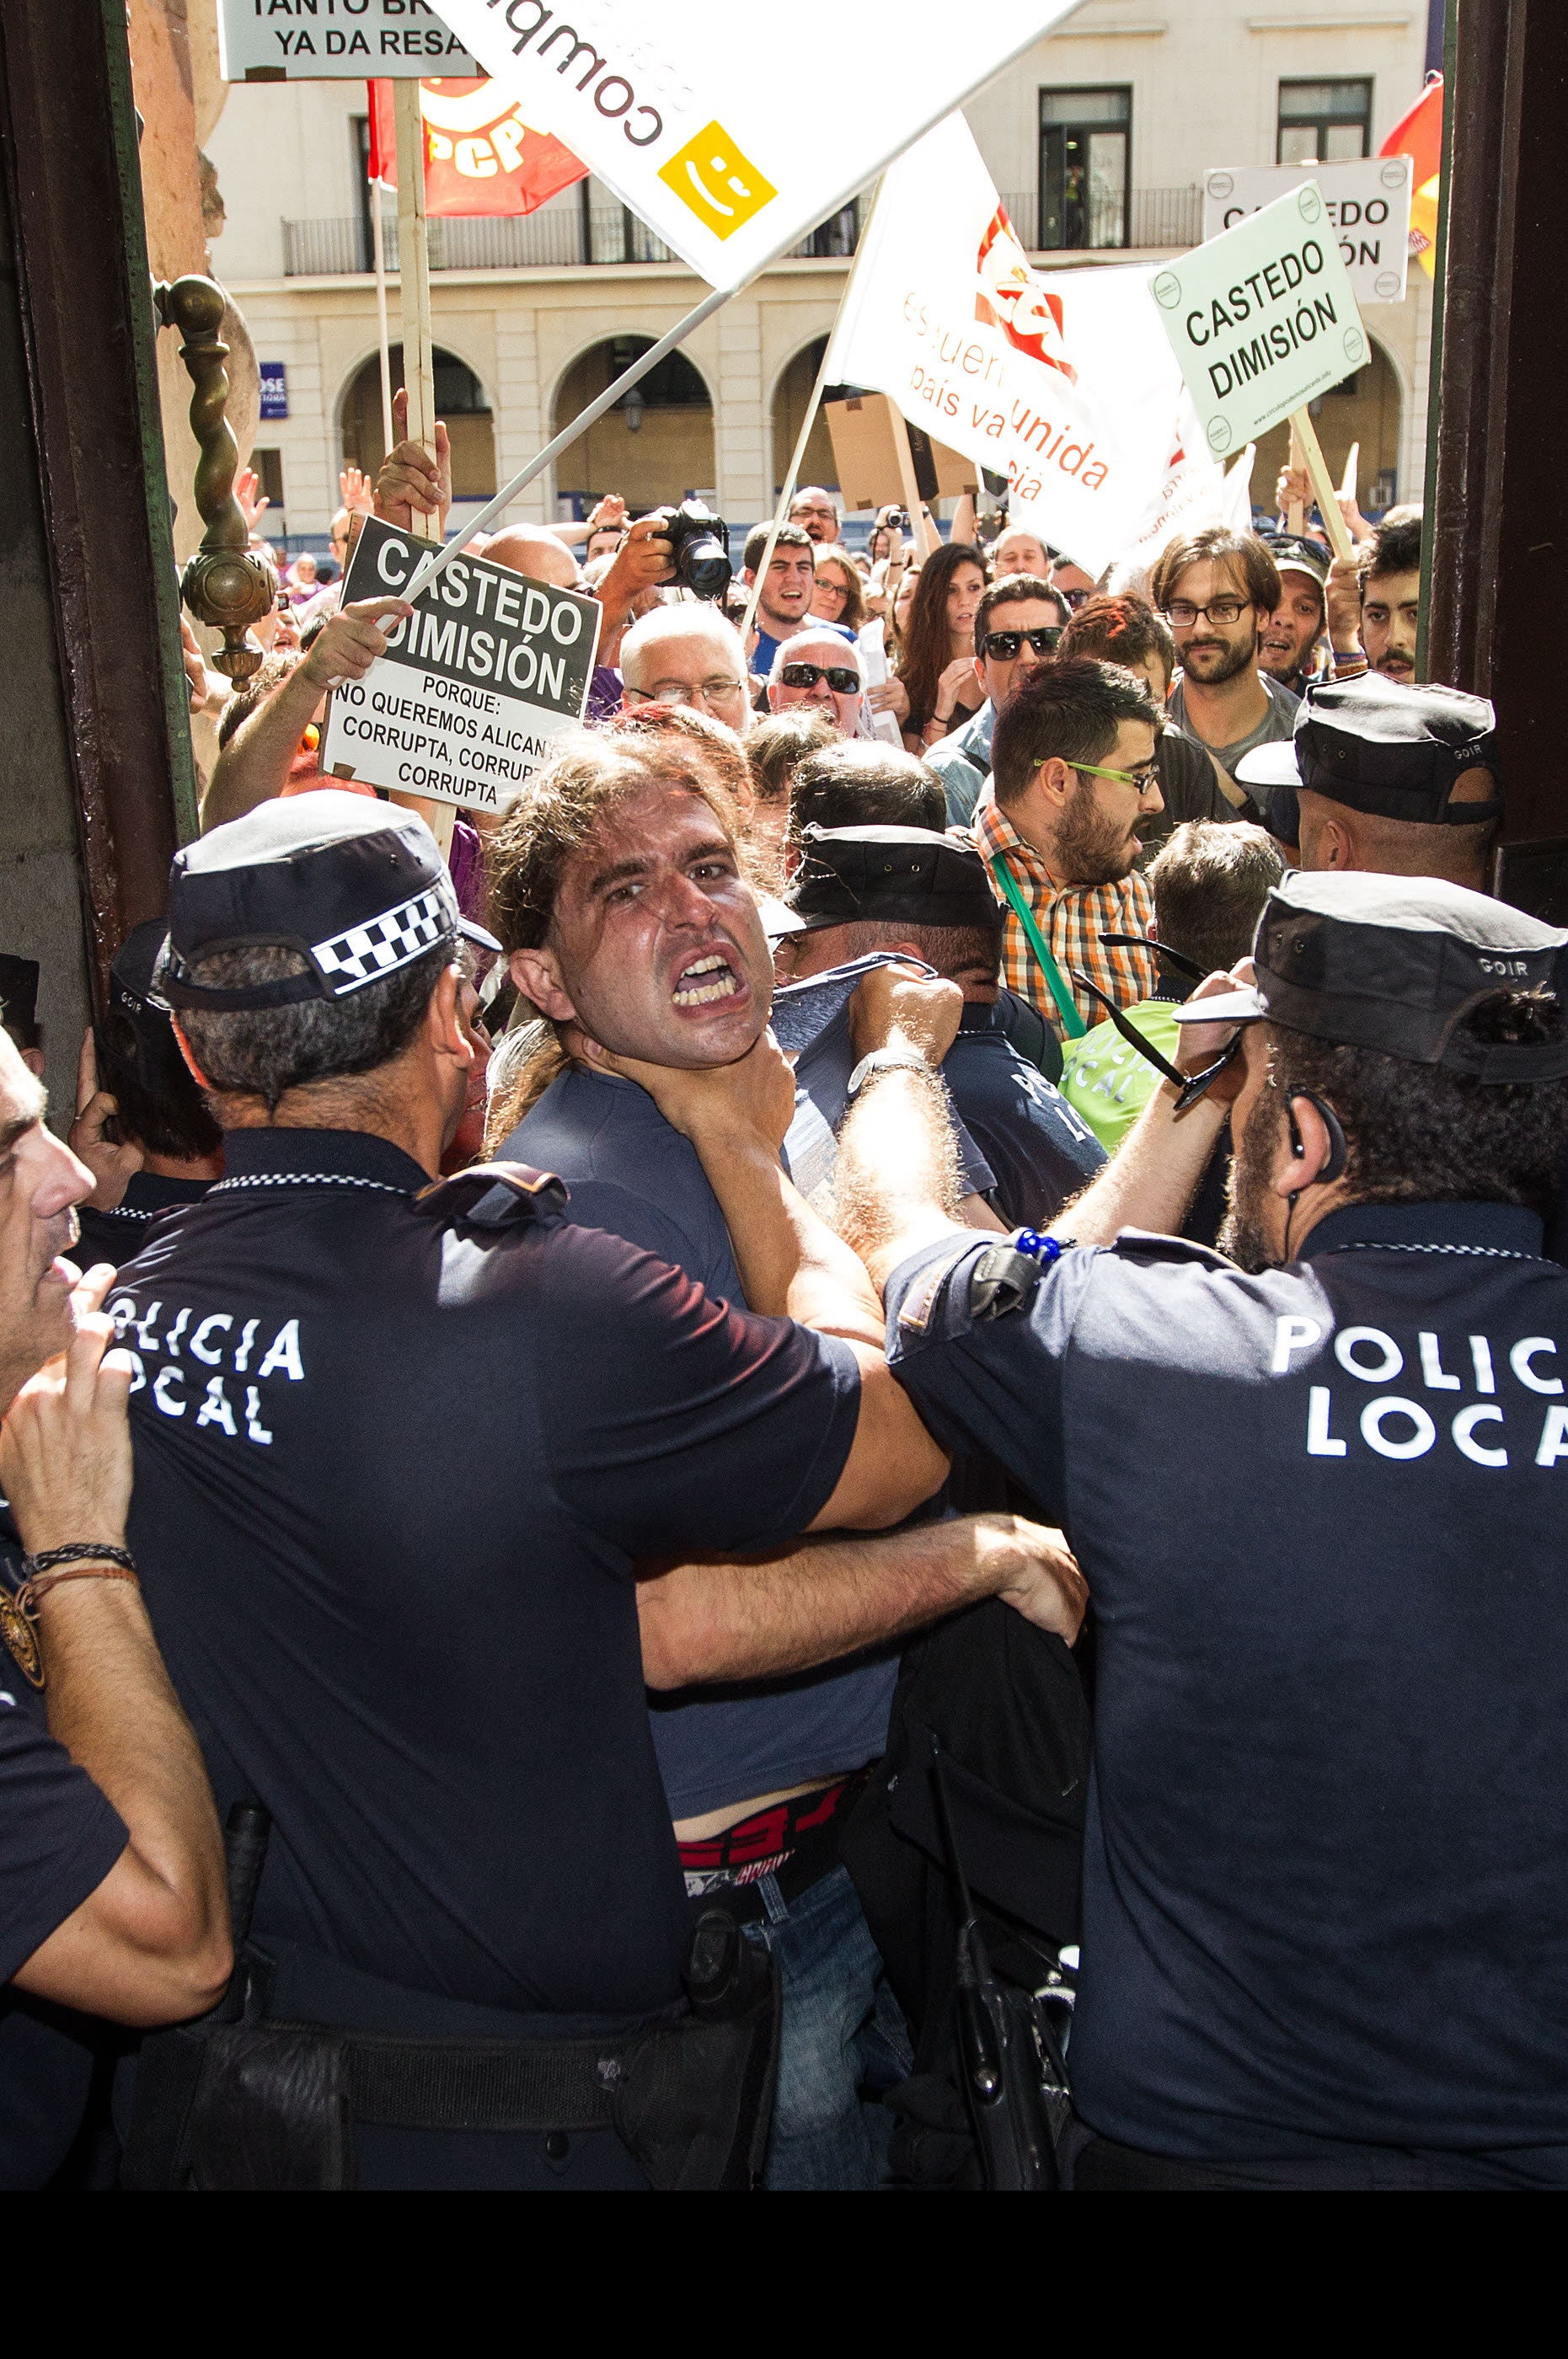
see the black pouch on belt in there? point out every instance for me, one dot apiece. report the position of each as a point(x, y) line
point(263, 2105)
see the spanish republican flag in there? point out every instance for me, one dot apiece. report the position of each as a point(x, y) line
point(1419, 135)
point(480, 155)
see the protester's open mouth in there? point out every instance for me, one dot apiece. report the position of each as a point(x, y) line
point(706, 980)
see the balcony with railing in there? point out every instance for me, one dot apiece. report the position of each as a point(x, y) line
point(554, 238)
point(558, 237)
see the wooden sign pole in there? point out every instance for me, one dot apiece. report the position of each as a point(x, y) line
point(1295, 513)
point(926, 535)
point(414, 265)
point(419, 355)
point(1322, 483)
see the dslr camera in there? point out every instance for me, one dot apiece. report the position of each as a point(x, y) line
point(699, 547)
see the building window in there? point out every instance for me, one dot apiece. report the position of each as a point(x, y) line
point(1325, 122)
point(1085, 158)
point(268, 466)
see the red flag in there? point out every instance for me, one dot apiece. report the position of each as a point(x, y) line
point(1419, 135)
point(480, 155)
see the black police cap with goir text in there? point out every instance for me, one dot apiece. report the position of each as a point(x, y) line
point(1394, 963)
point(359, 888)
point(1384, 748)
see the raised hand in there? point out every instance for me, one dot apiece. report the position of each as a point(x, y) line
point(411, 481)
point(112, 1163)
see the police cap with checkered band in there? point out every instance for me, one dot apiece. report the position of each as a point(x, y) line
point(1396, 963)
point(359, 889)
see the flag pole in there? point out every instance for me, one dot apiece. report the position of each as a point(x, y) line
point(439, 560)
point(787, 494)
point(379, 245)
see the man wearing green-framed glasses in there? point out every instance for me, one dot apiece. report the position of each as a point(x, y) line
point(1073, 777)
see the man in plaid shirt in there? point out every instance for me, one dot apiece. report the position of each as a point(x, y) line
point(1071, 777)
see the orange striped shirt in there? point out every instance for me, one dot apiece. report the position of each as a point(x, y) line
point(1071, 918)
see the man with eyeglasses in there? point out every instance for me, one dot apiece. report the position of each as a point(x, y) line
point(687, 655)
point(1017, 626)
point(813, 510)
point(1218, 590)
point(1074, 778)
point(821, 670)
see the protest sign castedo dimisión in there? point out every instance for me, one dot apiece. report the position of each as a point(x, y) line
point(488, 669)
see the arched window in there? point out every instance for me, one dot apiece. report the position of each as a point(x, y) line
point(460, 400)
point(655, 445)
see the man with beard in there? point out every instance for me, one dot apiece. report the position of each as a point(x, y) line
point(1286, 651)
point(1321, 1906)
point(1390, 599)
point(1218, 591)
point(1072, 777)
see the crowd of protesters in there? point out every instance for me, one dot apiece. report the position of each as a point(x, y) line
point(743, 1450)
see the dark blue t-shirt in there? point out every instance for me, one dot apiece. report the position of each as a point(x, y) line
point(115, 1235)
point(391, 1480)
point(1039, 1149)
point(1320, 1515)
point(58, 1839)
point(630, 1172)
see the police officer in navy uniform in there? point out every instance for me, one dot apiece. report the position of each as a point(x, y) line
point(398, 1449)
point(1316, 1490)
point(907, 889)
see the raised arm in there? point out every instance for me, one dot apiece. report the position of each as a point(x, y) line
point(151, 1944)
point(893, 1148)
point(254, 764)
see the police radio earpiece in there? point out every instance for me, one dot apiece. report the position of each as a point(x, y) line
point(1338, 1152)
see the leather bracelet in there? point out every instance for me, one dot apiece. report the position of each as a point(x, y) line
point(31, 1594)
point(79, 1551)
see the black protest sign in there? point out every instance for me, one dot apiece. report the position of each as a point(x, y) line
point(475, 683)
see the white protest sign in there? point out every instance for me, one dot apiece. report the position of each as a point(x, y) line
point(1368, 203)
point(472, 688)
point(730, 131)
point(1062, 381)
point(320, 40)
point(1262, 319)
point(1195, 493)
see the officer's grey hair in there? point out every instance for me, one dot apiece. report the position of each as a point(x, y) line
point(265, 1052)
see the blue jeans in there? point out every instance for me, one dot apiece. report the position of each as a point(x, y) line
point(845, 2041)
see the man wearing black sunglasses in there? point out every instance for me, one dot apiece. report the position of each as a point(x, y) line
point(1017, 626)
point(821, 670)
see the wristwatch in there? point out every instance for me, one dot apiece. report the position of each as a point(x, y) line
point(885, 1060)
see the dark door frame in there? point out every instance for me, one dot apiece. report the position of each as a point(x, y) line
point(67, 145)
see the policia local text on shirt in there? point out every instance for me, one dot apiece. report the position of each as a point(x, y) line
point(1323, 1908)
point(426, 1665)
